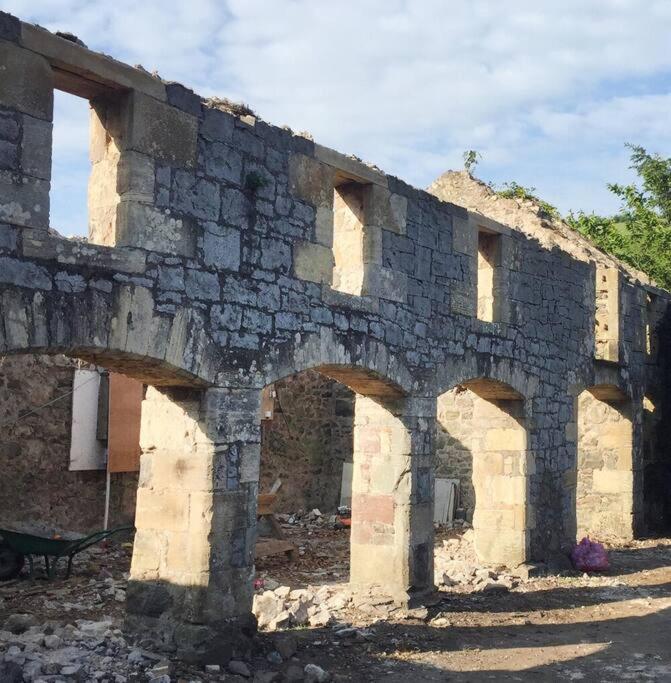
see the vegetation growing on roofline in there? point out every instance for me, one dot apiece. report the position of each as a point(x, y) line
point(640, 234)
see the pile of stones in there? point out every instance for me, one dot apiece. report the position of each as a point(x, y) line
point(80, 651)
point(280, 607)
point(83, 651)
point(456, 566)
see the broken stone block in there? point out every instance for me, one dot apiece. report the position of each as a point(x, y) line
point(267, 607)
point(315, 674)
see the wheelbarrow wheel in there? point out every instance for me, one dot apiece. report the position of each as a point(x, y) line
point(11, 562)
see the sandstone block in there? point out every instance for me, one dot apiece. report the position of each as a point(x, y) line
point(161, 131)
point(385, 210)
point(311, 180)
point(313, 262)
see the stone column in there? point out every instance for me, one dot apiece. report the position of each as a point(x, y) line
point(193, 559)
point(392, 496)
point(605, 475)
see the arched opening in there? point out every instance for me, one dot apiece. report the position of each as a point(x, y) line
point(604, 473)
point(482, 442)
point(656, 470)
point(305, 481)
point(339, 437)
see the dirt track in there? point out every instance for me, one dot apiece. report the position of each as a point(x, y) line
point(601, 628)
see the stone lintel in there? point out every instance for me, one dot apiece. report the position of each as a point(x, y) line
point(88, 65)
point(348, 168)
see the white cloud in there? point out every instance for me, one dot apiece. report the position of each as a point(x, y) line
point(548, 92)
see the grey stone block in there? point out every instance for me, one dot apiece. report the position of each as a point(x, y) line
point(9, 127)
point(195, 196)
point(217, 125)
point(223, 162)
point(10, 27)
point(36, 148)
point(202, 285)
point(222, 251)
point(24, 201)
point(183, 98)
point(9, 156)
point(26, 82)
point(24, 274)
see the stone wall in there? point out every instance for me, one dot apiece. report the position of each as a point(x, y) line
point(306, 442)
point(35, 483)
point(212, 268)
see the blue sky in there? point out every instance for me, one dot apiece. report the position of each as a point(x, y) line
point(547, 92)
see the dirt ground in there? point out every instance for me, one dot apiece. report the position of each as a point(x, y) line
point(610, 627)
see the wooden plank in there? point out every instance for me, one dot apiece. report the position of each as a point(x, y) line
point(266, 504)
point(267, 547)
point(125, 405)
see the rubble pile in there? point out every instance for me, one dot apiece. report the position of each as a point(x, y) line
point(80, 650)
point(280, 607)
point(456, 567)
point(83, 651)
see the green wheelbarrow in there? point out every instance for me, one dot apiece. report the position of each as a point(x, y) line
point(16, 546)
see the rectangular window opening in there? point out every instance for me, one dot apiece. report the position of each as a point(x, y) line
point(348, 237)
point(70, 165)
point(86, 153)
point(489, 257)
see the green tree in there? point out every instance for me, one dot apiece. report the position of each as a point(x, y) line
point(641, 234)
point(471, 159)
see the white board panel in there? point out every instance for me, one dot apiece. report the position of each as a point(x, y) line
point(346, 485)
point(86, 452)
point(445, 500)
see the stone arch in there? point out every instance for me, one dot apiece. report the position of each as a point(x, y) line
point(503, 371)
point(366, 361)
point(119, 329)
point(604, 463)
point(482, 441)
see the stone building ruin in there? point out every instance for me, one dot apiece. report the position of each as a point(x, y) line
point(225, 254)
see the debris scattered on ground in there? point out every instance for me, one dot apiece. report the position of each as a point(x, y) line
point(71, 630)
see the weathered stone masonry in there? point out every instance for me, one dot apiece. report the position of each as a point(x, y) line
point(208, 275)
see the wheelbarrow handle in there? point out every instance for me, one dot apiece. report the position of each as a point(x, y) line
point(86, 542)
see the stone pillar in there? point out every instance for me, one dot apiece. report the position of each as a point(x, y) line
point(483, 443)
point(191, 581)
point(500, 478)
point(605, 476)
point(392, 496)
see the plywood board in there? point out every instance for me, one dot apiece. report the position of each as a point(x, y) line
point(125, 405)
